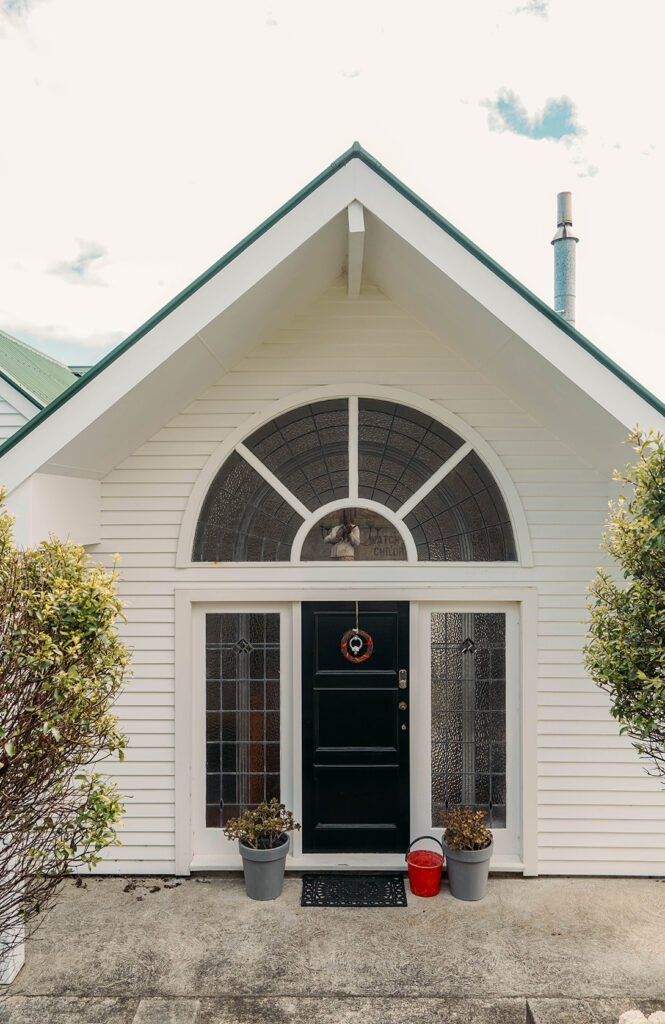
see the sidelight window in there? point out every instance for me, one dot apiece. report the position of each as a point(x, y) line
point(468, 652)
point(242, 713)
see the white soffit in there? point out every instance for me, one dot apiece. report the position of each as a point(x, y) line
point(464, 282)
point(172, 364)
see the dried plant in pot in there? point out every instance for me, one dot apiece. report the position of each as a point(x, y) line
point(468, 845)
point(263, 837)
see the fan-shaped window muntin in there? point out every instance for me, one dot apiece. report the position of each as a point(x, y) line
point(354, 453)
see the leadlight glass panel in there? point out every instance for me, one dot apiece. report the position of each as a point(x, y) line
point(463, 518)
point(378, 540)
point(242, 713)
point(398, 450)
point(308, 451)
point(243, 519)
point(469, 713)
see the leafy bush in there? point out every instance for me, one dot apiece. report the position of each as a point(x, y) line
point(61, 667)
point(262, 827)
point(465, 829)
point(625, 650)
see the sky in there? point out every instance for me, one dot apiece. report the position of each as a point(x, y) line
point(141, 139)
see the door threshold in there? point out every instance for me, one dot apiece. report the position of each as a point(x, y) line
point(337, 862)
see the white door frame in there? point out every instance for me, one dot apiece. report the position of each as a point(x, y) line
point(508, 841)
point(191, 605)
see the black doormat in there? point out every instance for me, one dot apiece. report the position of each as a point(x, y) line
point(346, 890)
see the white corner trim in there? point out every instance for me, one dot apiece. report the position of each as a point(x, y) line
point(356, 248)
point(435, 479)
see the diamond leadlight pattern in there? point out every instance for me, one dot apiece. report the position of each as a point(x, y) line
point(242, 713)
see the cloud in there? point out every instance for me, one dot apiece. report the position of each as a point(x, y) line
point(16, 8)
point(555, 121)
point(539, 7)
point(350, 74)
point(81, 270)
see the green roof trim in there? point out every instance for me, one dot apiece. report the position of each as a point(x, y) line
point(355, 152)
point(36, 375)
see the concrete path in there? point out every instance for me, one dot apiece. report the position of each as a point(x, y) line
point(196, 951)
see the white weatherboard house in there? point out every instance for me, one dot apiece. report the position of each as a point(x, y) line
point(354, 419)
point(29, 381)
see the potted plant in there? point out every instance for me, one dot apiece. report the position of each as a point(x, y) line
point(263, 838)
point(468, 846)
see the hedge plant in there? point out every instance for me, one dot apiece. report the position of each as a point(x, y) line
point(625, 649)
point(61, 668)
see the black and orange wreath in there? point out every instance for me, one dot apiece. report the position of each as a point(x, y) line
point(357, 645)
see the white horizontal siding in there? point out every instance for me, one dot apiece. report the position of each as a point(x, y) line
point(10, 418)
point(597, 812)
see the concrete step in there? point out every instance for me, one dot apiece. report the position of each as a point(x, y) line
point(253, 1010)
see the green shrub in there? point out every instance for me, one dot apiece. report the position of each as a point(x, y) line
point(261, 827)
point(625, 649)
point(61, 668)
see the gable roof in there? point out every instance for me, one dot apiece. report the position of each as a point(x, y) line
point(37, 376)
point(333, 203)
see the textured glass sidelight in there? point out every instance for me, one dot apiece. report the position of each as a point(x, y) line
point(243, 519)
point(469, 713)
point(463, 518)
point(398, 450)
point(307, 449)
point(242, 713)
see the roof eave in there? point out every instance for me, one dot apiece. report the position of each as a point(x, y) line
point(355, 151)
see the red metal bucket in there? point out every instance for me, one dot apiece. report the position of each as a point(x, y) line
point(425, 868)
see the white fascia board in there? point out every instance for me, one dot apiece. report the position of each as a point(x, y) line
point(20, 402)
point(65, 507)
point(503, 302)
point(184, 322)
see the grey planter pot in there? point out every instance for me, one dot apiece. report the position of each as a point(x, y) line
point(264, 870)
point(468, 871)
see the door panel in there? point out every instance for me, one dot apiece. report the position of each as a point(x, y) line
point(355, 736)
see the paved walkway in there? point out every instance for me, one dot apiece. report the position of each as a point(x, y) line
point(153, 951)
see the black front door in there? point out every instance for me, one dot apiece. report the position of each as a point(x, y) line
point(355, 730)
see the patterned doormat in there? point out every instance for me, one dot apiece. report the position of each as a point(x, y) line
point(346, 890)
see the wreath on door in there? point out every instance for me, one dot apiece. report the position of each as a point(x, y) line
point(357, 645)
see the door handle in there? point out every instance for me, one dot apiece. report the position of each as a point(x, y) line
point(401, 679)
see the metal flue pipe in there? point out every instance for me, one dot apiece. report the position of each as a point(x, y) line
point(564, 243)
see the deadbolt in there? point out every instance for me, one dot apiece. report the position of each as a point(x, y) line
point(401, 679)
point(402, 705)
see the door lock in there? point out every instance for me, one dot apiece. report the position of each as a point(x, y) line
point(401, 679)
point(402, 705)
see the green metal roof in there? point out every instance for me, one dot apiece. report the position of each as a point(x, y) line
point(37, 376)
point(355, 152)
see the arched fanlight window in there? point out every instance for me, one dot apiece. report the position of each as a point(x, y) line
point(433, 483)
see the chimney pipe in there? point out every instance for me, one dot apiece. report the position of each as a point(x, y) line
point(564, 243)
